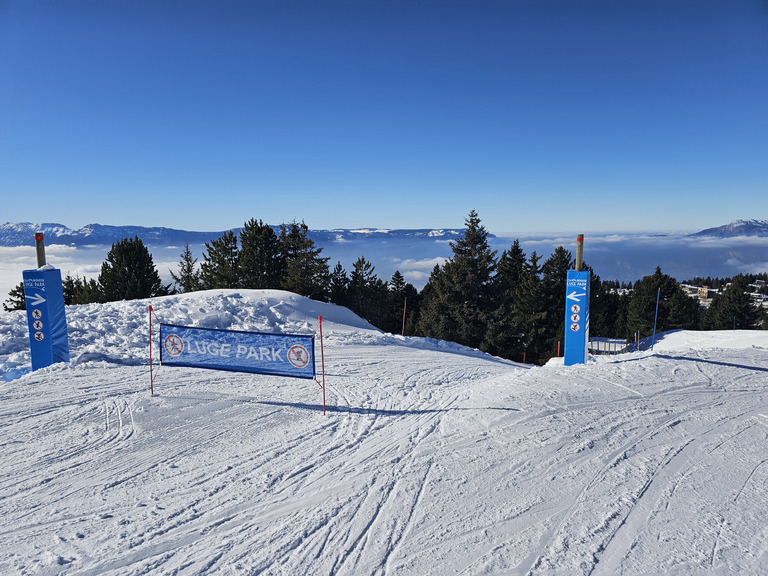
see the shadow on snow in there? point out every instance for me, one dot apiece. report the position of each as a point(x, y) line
point(374, 411)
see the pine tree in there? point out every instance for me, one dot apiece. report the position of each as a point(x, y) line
point(605, 313)
point(262, 263)
point(461, 300)
point(306, 272)
point(393, 321)
point(403, 296)
point(339, 286)
point(221, 263)
point(81, 291)
point(188, 279)
point(505, 336)
point(368, 294)
point(734, 308)
point(89, 291)
point(683, 312)
point(412, 305)
point(554, 277)
point(510, 268)
point(642, 307)
point(436, 318)
point(528, 309)
point(16, 299)
point(68, 289)
point(362, 288)
point(129, 273)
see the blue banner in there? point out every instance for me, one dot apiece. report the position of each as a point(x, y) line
point(277, 354)
point(576, 317)
point(46, 317)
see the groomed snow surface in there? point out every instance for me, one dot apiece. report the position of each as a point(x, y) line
point(432, 458)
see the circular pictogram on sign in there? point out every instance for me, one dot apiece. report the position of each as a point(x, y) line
point(39, 336)
point(298, 356)
point(575, 327)
point(173, 345)
point(37, 314)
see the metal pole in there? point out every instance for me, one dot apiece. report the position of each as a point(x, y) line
point(40, 247)
point(656, 316)
point(579, 251)
point(322, 358)
point(151, 374)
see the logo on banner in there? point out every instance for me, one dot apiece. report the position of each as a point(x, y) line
point(298, 356)
point(173, 345)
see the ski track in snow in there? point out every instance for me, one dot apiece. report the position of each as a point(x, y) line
point(432, 458)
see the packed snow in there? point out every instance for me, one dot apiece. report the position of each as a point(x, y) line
point(431, 459)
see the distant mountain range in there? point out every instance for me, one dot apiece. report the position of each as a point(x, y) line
point(413, 253)
point(23, 234)
point(737, 228)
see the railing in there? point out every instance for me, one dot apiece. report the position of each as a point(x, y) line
point(610, 346)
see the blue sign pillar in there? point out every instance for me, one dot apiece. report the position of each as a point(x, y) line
point(48, 340)
point(576, 316)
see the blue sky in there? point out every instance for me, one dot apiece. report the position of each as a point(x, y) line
point(542, 115)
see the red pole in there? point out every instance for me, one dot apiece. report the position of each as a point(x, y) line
point(151, 376)
point(558, 348)
point(322, 359)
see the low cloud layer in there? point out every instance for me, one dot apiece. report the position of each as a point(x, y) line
point(623, 257)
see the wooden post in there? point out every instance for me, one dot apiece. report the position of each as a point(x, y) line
point(579, 251)
point(40, 247)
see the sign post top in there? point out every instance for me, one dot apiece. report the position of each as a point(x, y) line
point(579, 251)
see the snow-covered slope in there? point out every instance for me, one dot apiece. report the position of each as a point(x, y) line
point(432, 459)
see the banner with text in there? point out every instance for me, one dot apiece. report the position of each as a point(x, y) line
point(277, 354)
point(46, 317)
point(576, 316)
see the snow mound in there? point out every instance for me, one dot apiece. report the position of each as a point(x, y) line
point(679, 340)
point(275, 311)
point(118, 332)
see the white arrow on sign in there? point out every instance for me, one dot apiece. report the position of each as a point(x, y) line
point(574, 296)
point(37, 300)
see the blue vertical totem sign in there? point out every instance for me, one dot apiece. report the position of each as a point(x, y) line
point(48, 341)
point(576, 316)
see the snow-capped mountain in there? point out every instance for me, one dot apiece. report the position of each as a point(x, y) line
point(22, 234)
point(749, 227)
